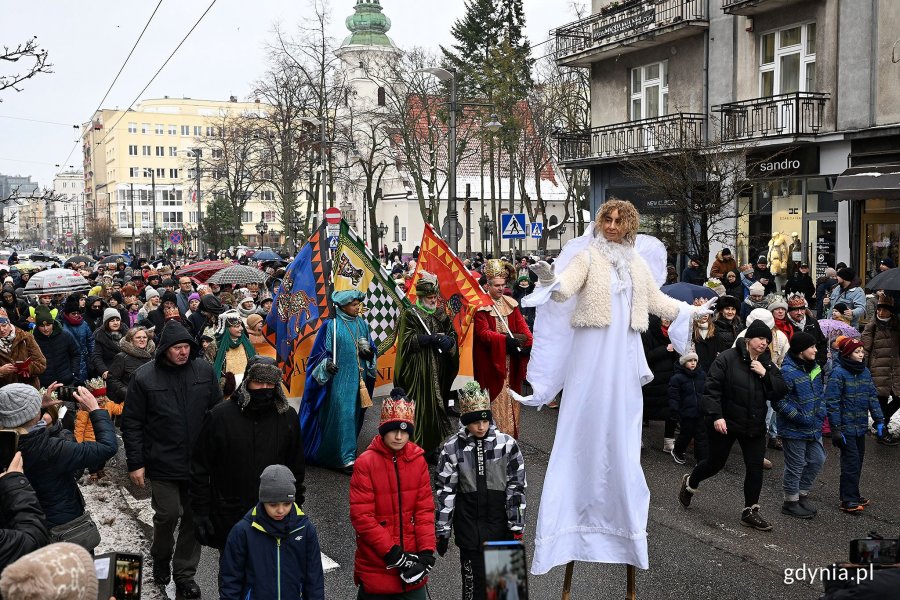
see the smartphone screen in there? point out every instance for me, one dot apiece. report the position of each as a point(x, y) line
point(506, 576)
point(128, 576)
point(873, 551)
point(9, 443)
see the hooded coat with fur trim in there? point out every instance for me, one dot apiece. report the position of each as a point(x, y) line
point(589, 275)
point(881, 339)
point(239, 438)
point(722, 265)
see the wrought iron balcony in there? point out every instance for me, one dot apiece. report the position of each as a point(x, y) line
point(749, 8)
point(645, 136)
point(795, 114)
point(628, 26)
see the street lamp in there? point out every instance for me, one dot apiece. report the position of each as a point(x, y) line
point(561, 231)
point(261, 228)
point(382, 231)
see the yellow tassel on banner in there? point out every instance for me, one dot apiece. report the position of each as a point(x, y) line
point(365, 401)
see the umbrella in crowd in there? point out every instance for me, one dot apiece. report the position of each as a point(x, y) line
point(688, 292)
point(201, 271)
point(833, 326)
point(56, 281)
point(266, 255)
point(113, 259)
point(887, 280)
point(27, 266)
point(79, 258)
point(237, 275)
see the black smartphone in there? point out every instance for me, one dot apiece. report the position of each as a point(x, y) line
point(869, 551)
point(9, 444)
point(127, 582)
point(506, 575)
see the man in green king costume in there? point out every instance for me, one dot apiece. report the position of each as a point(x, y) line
point(427, 363)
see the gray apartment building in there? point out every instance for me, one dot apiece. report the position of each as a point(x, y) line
point(815, 83)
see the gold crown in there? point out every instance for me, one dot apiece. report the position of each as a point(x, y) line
point(397, 409)
point(498, 268)
point(473, 399)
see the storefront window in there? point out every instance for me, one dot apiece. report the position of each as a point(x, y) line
point(818, 195)
point(882, 240)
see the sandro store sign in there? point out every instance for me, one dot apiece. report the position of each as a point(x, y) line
point(802, 160)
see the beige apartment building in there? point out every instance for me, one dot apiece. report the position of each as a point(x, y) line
point(139, 174)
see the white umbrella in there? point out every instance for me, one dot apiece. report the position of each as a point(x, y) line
point(56, 281)
point(237, 275)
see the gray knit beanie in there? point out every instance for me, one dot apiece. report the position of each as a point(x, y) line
point(111, 313)
point(150, 292)
point(276, 484)
point(19, 403)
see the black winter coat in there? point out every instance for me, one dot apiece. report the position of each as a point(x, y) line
point(735, 393)
point(123, 367)
point(94, 319)
point(708, 349)
point(51, 457)
point(758, 274)
point(691, 275)
point(63, 356)
point(727, 331)
point(686, 392)
point(826, 284)
point(16, 308)
point(662, 363)
point(105, 350)
point(165, 409)
point(23, 528)
point(233, 448)
point(801, 283)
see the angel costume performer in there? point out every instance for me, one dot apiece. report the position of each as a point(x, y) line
point(587, 342)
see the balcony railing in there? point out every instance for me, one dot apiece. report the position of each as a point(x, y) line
point(626, 26)
point(753, 7)
point(795, 114)
point(645, 136)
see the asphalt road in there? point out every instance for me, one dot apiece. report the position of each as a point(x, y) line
point(699, 553)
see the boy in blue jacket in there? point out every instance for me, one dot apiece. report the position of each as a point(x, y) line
point(849, 398)
point(685, 392)
point(273, 552)
point(800, 415)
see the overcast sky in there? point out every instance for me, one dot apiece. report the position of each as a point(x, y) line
point(88, 40)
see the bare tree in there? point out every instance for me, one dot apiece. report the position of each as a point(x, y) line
point(34, 60)
point(98, 232)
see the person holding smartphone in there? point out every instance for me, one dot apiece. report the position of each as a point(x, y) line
point(22, 524)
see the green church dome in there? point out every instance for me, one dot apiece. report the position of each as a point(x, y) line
point(368, 25)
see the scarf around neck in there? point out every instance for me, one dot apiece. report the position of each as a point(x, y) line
point(855, 367)
point(226, 343)
point(6, 342)
point(620, 256)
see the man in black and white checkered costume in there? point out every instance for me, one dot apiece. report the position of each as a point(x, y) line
point(480, 488)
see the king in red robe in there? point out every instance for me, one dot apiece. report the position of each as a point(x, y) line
point(501, 347)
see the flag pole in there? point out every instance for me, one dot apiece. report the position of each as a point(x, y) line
point(567, 582)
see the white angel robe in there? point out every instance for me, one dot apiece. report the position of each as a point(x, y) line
point(595, 500)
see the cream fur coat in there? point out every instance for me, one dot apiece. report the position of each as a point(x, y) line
point(589, 275)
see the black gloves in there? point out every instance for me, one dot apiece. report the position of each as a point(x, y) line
point(366, 353)
point(443, 544)
point(838, 439)
point(203, 530)
point(444, 342)
point(425, 341)
point(398, 559)
point(330, 367)
point(512, 345)
point(419, 569)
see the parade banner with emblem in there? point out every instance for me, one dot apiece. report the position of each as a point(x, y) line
point(461, 295)
point(300, 305)
point(355, 267)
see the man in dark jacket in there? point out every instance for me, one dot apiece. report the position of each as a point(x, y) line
point(167, 401)
point(762, 274)
point(16, 308)
point(824, 285)
point(237, 441)
point(738, 385)
point(693, 273)
point(51, 457)
point(801, 282)
point(58, 347)
point(23, 527)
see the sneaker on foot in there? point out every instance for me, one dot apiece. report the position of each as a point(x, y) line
point(808, 505)
point(863, 501)
point(793, 508)
point(750, 518)
point(851, 507)
point(678, 458)
point(187, 589)
point(685, 493)
point(668, 445)
point(767, 464)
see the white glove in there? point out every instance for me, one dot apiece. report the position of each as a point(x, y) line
point(544, 272)
point(705, 308)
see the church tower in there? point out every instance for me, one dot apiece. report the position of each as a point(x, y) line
point(367, 53)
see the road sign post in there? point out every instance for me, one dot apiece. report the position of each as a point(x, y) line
point(512, 226)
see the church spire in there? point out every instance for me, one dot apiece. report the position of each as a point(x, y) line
point(368, 25)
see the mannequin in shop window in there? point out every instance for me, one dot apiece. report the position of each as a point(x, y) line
point(778, 254)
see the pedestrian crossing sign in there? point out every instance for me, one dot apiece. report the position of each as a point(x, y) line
point(512, 226)
point(537, 229)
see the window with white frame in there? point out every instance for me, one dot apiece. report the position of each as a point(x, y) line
point(173, 173)
point(247, 216)
point(787, 61)
point(197, 130)
point(268, 216)
point(172, 219)
point(650, 91)
point(160, 173)
point(146, 151)
point(132, 150)
point(173, 129)
point(267, 196)
point(159, 129)
point(185, 130)
point(210, 131)
point(160, 151)
point(132, 128)
point(173, 150)
point(145, 127)
point(134, 172)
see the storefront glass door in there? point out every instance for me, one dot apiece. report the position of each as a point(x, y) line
point(881, 241)
point(821, 244)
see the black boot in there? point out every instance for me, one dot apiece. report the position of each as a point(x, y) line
point(807, 504)
point(792, 508)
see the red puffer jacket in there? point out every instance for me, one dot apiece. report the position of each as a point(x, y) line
point(390, 504)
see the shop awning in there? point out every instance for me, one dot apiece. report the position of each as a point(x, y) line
point(876, 181)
